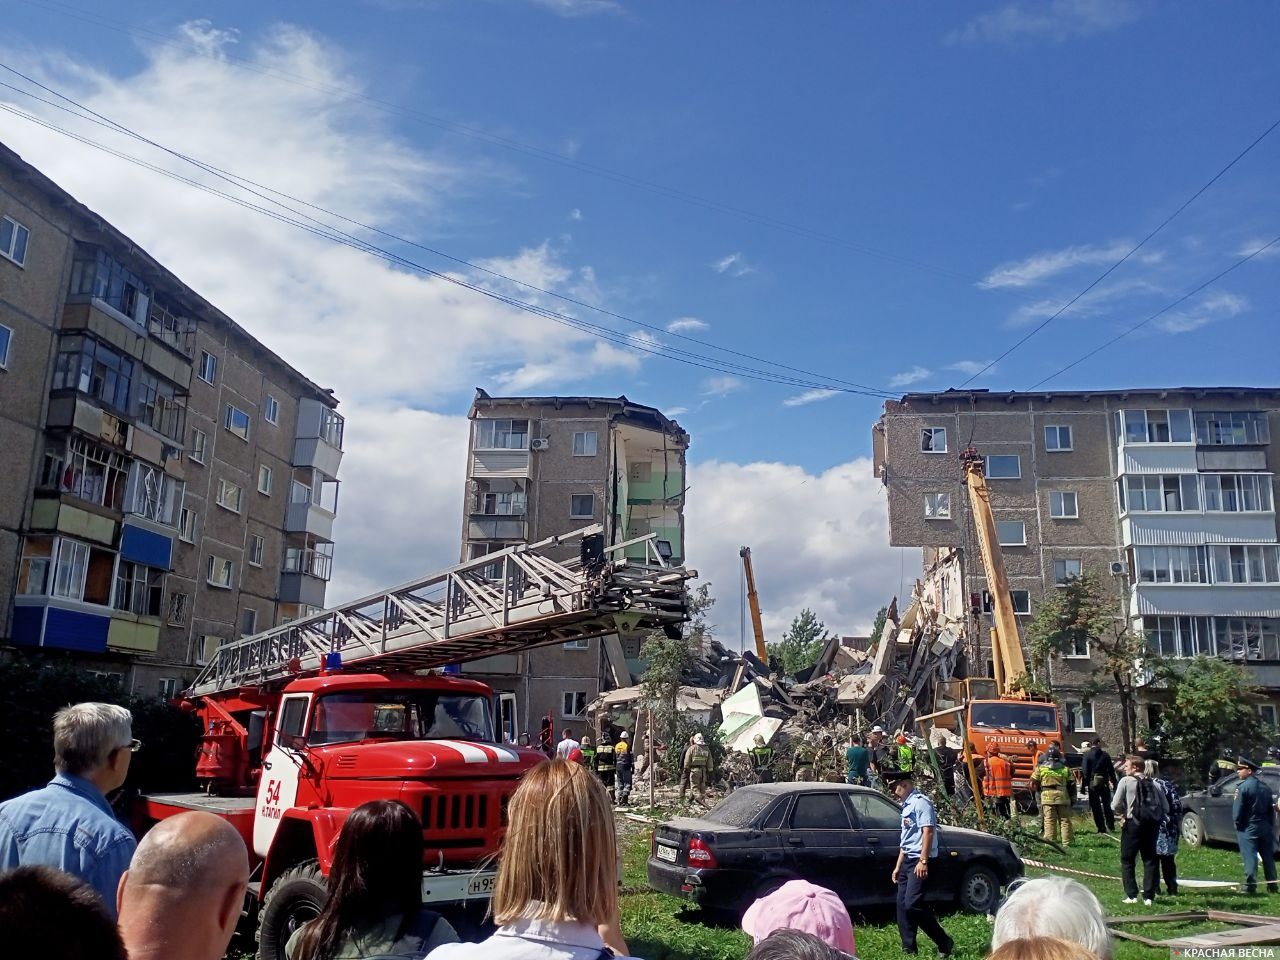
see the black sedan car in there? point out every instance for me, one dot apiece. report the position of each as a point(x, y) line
point(838, 836)
point(1208, 813)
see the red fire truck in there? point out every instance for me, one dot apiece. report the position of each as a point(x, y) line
point(307, 721)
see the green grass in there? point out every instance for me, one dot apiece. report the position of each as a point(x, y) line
point(661, 927)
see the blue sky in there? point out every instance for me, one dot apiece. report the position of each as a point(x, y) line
point(885, 194)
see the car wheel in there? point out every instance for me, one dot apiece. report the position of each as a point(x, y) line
point(1192, 830)
point(980, 890)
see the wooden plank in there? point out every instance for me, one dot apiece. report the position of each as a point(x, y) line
point(1263, 933)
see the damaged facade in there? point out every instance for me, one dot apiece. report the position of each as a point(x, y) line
point(1167, 494)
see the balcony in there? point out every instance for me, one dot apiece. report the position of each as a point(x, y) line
point(318, 444)
point(312, 507)
point(486, 527)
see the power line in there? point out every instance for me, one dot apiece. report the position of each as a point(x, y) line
point(316, 228)
point(449, 126)
point(1182, 299)
point(1111, 269)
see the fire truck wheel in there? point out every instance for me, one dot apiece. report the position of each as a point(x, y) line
point(980, 890)
point(296, 897)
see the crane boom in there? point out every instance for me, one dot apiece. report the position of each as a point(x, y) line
point(502, 602)
point(1006, 644)
point(753, 601)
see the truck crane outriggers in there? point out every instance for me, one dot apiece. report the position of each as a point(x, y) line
point(997, 709)
point(308, 720)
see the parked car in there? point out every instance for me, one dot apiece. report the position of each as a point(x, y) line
point(835, 835)
point(1208, 815)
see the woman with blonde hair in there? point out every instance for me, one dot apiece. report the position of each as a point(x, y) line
point(1040, 948)
point(556, 896)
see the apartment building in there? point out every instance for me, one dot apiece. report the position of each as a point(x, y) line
point(539, 467)
point(1169, 495)
point(168, 481)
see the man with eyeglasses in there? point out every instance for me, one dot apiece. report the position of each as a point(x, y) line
point(1254, 814)
point(69, 824)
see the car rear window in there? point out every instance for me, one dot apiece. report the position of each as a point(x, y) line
point(740, 808)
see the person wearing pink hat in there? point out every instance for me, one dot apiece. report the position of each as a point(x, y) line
point(801, 905)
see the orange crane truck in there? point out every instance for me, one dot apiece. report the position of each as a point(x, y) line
point(306, 721)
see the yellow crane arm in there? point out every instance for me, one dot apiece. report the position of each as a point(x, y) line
point(754, 602)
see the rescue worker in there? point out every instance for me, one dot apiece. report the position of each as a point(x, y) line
point(1053, 780)
point(997, 781)
point(762, 760)
point(905, 755)
point(1099, 775)
point(588, 752)
point(606, 763)
point(1273, 757)
point(626, 766)
point(802, 762)
point(696, 768)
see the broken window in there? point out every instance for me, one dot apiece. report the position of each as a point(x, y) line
point(574, 704)
point(933, 440)
point(139, 589)
point(937, 506)
point(1064, 571)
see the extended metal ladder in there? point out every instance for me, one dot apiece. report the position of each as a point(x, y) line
point(503, 602)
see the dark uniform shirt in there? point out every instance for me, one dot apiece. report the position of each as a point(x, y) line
point(1254, 805)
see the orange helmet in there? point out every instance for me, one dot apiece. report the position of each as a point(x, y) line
point(992, 748)
point(901, 738)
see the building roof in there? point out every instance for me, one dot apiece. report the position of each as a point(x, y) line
point(1010, 396)
point(153, 268)
point(646, 416)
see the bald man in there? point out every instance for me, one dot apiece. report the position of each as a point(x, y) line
point(182, 895)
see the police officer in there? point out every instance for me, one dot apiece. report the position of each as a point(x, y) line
point(696, 767)
point(606, 762)
point(917, 848)
point(762, 760)
point(1254, 816)
point(626, 765)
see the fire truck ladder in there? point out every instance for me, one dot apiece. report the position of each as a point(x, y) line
point(502, 602)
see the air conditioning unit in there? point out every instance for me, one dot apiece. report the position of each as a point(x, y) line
point(539, 443)
point(1118, 568)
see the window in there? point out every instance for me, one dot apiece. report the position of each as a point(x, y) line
point(95, 369)
point(577, 644)
point(207, 645)
point(582, 506)
point(271, 410)
point(230, 496)
point(1169, 493)
point(248, 622)
point(1080, 716)
point(574, 704)
point(1244, 563)
point(237, 422)
point(87, 470)
point(187, 525)
point(1062, 504)
point(139, 589)
point(256, 544)
point(1157, 426)
point(168, 688)
point(6, 338)
point(153, 494)
point(331, 427)
point(1057, 438)
point(1021, 602)
point(37, 562)
point(1011, 533)
point(1237, 492)
point(1076, 645)
point(98, 276)
point(1064, 571)
point(502, 435)
point(317, 561)
point(1237, 428)
point(933, 440)
point(155, 403)
point(503, 503)
point(13, 240)
point(220, 572)
point(1003, 467)
point(178, 608)
point(584, 443)
point(208, 371)
point(1267, 711)
point(937, 506)
point(264, 479)
point(819, 811)
point(1172, 564)
point(199, 445)
point(874, 812)
point(1246, 638)
point(1180, 637)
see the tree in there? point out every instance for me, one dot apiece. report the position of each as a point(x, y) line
point(1083, 613)
point(802, 645)
point(881, 616)
point(667, 658)
point(1213, 708)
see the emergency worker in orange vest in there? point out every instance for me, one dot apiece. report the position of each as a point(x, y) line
point(997, 781)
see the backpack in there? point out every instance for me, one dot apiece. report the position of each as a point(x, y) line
point(1146, 802)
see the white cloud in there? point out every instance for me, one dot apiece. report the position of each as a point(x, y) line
point(908, 377)
point(390, 342)
point(675, 411)
point(686, 325)
point(1051, 20)
point(1257, 244)
point(817, 540)
point(1219, 306)
point(1042, 266)
point(575, 214)
point(971, 368)
point(735, 265)
point(721, 386)
point(579, 8)
point(809, 396)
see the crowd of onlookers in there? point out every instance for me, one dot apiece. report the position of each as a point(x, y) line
point(76, 884)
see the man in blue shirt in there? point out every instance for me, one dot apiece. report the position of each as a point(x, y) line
point(68, 824)
point(919, 845)
point(1254, 813)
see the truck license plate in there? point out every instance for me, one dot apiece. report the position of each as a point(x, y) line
point(666, 853)
point(481, 885)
